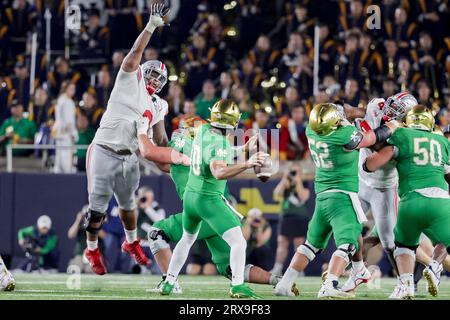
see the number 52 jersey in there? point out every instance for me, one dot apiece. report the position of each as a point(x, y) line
point(336, 168)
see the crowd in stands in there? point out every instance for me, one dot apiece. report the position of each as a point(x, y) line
point(257, 52)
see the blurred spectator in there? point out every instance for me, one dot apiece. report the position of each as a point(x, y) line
point(424, 93)
point(88, 106)
point(85, 136)
point(348, 61)
point(404, 33)
point(41, 106)
point(103, 87)
point(61, 73)
point(200, 260)
point(21, 19)
point(39, 243)
point(94, 38)
point(291, 98)
point(353, 21)
point(212, 28)
point(296, 127)
point(293, 223)
point(327, 50)
point(117, 59)
point(300, 21)
point(77, 232)
point(241, 96)
point(206, 99)
point(122, 13)
point(151, 53)
point(262, 55)
point(225, 84)
point(21, 83)
point(64, 130)
point(352, 94)
point(189, 111)
point(257, 232)
point(199, 62)
point(175, 99)
point(389, 88)
point(149, 211)
point(17, 130)
point(248, 76)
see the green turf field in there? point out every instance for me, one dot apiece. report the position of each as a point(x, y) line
point(38, 286)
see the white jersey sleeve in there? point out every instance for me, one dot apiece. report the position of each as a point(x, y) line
point(128, 102)
point(385, 177)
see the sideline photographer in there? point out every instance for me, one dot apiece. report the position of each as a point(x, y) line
point(257, 232)
point(294, 218)
point(39, 243)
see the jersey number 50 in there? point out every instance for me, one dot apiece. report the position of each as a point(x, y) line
point(427, 151)
point(319, 153)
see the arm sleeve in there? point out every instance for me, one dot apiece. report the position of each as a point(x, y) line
point(50, 244)
point(348, 136)
point(25, 232)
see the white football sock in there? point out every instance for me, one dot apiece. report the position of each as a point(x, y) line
point(434, 265)
point(131, 235)
point(357, 266)
point(2, 264)
point(407, 279)
point(238, 245)
point(179, 256)
point(277, 268)
point(92, 245)
point(289, 277)
point(330, 278)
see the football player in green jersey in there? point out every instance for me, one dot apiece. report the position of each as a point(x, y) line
point(423, 160)
point(171, 229)
point(204, 201)
point(333, 142)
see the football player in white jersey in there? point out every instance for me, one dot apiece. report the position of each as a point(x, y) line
point(112, 163)
point(378, 190)
point(7, 282)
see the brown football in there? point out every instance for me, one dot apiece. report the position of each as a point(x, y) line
point(265, 172)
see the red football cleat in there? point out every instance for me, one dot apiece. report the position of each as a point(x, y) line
point(135, 250)
point(95, 261)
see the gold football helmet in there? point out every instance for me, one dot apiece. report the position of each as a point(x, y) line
point(325, 118)
point(420, 117)
point(225, 114)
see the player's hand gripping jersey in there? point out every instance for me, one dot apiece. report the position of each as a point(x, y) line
point(128, 102)
point(385, 177)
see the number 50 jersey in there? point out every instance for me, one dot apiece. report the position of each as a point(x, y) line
point(336, 168)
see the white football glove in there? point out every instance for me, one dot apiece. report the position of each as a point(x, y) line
point(142, 125)
point(157, 11)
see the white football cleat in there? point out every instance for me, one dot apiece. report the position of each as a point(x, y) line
point(7, 282)
point(433, 280)
point(396, 293)
point(356, 279)
point(281, 290)
point(402, 292)
point(329, 292)
point(176, 288)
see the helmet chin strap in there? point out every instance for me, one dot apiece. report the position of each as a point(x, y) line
point(150, 89)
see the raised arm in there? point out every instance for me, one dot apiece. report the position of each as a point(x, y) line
point(133, 58)
point(372, 137)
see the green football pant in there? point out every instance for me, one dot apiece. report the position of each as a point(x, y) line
point(334, 214)
point(419, 214)
point(212, 210)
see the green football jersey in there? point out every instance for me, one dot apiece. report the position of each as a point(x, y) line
point(182, 142)
point(208, 145)
point(420, 156)
point(335, 167)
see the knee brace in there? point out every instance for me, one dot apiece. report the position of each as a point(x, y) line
point(345, 251)
point(308, 250)
point(158, 240)
point(93, 217)
point(403, 249)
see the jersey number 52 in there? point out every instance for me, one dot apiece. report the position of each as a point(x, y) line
point(319, 153)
